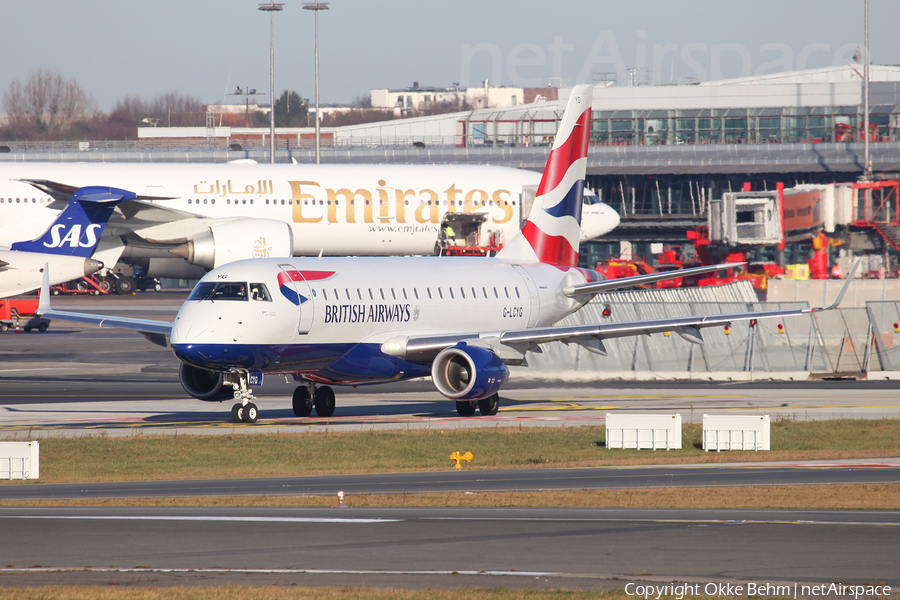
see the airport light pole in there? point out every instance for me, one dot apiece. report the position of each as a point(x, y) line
point(271, 8)
point(316, 7)
point(867, 168)
point(246, 94)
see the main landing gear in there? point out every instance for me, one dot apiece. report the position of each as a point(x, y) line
point(244, 411)
point(488, 406)
point(308, 395)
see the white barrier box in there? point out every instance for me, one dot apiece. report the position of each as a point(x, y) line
point(19, 460)
point(643, 431)
point(730, 432)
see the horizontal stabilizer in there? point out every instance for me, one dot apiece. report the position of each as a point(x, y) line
point(624, 282)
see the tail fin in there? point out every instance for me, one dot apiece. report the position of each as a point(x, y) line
point(78, 228)
point(553, 229)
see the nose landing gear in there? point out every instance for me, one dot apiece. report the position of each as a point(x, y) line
point(244, 411)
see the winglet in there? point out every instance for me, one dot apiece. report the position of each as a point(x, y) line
point(44, 302)
point(844, 288)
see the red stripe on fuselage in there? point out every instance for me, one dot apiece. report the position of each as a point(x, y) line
point(285, 276)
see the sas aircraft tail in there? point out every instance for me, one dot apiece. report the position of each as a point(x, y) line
point(553, 229)
point(78, 228)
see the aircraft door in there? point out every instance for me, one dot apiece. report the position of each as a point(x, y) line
point(534, 298)
point(296, 289)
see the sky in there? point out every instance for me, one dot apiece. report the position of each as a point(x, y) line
point(205, 48)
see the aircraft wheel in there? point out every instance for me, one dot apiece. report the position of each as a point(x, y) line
point(324, 401)
point(490, 405)
point(237, 413)
point(250, 413)
point(124, 286)
point(466, 408)
point(302, 403)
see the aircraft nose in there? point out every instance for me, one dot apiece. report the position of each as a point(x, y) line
point(612, 216)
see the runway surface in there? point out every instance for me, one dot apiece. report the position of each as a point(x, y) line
point(512, 548)
point(500, 480)
point(76, 380)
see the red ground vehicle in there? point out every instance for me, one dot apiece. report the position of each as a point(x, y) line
point(20, 312)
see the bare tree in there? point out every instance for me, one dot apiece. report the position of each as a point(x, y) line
point(46, 103)
point(172, 109)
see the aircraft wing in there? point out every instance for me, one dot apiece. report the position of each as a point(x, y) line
point(512, 345)
point(157, 332)
point(137, 212)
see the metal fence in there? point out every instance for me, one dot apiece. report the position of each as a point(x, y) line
point(838, 342)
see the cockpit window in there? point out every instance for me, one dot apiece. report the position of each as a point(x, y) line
point(259, 291)
point(589, 197)
point(220, 290)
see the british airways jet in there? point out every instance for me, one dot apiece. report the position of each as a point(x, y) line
point(462, 321)
point(66, 246)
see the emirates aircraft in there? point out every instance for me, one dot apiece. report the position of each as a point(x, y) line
point(462, 321)
point(189, 218)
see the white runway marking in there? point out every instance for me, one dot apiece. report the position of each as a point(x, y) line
point(231, 519)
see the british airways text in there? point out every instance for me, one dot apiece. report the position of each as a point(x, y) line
point(362, 313)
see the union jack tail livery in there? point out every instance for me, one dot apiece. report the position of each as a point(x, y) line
point(78, 228)
point(552, 231)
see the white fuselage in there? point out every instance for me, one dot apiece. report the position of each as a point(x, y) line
point(353, 305)
point(334, 209)
point(24, 270)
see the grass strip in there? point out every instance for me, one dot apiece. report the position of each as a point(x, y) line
point(151, 457)
point(783, 497)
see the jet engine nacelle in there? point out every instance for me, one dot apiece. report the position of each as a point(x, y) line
point(465, 372)
point(228, 241)
point(203, 384)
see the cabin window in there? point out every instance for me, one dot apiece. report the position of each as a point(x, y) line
point(393, 294)
point(382, 293)
point(325, 293)
point(371, 295)
point(430, 297)
point(474, 294)
point(506, 289)
point(517, 292)
point(259, 291)
point(484, 291)
point(496, 294)
point(359, 293)
point(347, 291)
point(441, 293)
point(416, 293)
point(462, 292)
point(337, 296)
point(452, 297)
